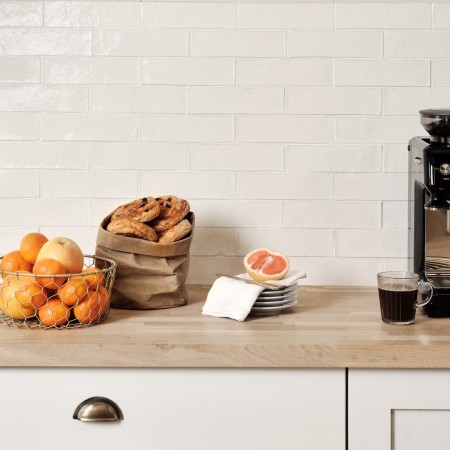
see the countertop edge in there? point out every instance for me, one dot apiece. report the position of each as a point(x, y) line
point(331, 327)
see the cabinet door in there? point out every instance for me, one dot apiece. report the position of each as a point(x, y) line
point(173, 409)
point(398, 409)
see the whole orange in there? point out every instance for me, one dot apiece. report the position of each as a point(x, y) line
point(104, 299)
point(88, 310)
point(14, 261)
point(30, 245)
point(93, 280)
point(54, 313)
point(50, 267)
point(18, 302)
point(73, 291)
point(32, 293)
point(22, 275)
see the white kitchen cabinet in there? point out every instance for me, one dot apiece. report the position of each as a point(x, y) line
point(173, 409)
point(398, 409)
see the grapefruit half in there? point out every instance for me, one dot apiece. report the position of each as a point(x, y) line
point(263, 264)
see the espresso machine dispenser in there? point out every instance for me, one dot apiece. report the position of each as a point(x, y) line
point(429, 208)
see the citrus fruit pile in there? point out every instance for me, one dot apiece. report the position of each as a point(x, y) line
point(44, 281)
point(263, 264)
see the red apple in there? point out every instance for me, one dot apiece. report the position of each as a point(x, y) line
point(65, 251)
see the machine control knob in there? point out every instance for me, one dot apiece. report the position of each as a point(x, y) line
point(445, 169)
point(417, 160)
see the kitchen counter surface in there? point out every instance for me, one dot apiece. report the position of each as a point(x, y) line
point(329, 327)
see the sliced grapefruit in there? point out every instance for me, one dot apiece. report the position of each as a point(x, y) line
point(263, 264)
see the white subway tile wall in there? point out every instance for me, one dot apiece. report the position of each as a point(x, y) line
point(285, 124)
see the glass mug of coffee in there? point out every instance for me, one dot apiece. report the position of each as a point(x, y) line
point(398, 296)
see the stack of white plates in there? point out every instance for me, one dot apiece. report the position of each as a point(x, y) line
point(273, 302)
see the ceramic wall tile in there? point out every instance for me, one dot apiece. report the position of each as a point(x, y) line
point(284, 124)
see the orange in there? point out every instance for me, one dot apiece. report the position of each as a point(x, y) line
point(263, 264)
point(104, 299)
point(54, 313)
point(93, 280)
point(73, 291)
point(27, 276)
point(88, 310)
point(14, 261)
point(48, 266)
point(32, 293)
point(16, 310)
point(20, 299)
point(30, 246)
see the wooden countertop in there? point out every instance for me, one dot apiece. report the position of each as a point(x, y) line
point(329, 327)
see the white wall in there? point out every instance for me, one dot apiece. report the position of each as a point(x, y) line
point(285, 125)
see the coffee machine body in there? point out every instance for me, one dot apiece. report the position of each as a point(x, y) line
point(429, 209)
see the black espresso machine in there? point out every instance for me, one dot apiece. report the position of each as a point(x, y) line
point(429, 208)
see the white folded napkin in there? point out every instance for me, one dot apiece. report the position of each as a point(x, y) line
point(231, 298)
point(290, 278)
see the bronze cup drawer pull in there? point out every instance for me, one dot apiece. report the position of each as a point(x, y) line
point(98, 409)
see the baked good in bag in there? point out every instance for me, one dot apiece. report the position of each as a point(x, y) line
point(132, 228)
point(177, 232)
point(143, 209)
point(172, 211)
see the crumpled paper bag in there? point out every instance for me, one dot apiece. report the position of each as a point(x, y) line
point(149, 275)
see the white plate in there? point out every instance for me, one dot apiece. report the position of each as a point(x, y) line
point(277, 303)
point(279, 298)
point(267, 311)
point(268, 293)
point(265, 304)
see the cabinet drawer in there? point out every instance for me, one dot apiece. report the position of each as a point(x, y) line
point(172, 409)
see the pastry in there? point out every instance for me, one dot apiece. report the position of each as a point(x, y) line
point(132, 228)
point(144, 209)
point(173, 211)
point(177, 232)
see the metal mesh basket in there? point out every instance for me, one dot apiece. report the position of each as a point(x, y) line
point(57, 301)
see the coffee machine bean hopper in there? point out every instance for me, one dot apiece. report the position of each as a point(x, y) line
point(429, 209)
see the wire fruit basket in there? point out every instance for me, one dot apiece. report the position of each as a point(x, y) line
point(58, 301)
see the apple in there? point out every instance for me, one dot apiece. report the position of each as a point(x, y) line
point(65, 251)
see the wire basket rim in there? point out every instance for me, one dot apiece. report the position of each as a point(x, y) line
point(113, 265)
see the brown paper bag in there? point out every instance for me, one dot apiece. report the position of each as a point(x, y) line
point(149, 275)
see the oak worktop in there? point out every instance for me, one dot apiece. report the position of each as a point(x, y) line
point(330, 327)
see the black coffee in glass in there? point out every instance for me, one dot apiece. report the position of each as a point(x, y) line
point(398, 296)
point(398, 304)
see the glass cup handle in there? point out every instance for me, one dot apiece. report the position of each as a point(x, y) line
point(425, 288)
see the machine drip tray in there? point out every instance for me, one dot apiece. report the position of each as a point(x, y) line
point(440, 282)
